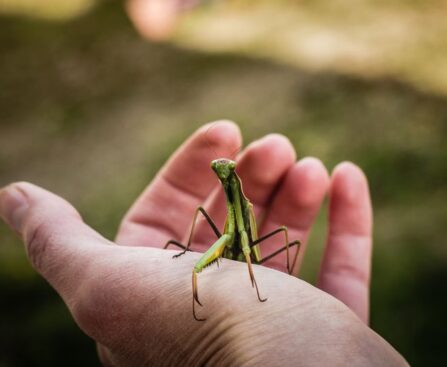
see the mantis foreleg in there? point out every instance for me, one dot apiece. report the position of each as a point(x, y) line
point(211, 255)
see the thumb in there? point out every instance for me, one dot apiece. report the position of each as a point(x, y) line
point(59, 245)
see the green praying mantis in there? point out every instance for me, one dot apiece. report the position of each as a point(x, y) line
point(239, 240)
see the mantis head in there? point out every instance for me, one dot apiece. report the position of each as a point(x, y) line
point(223, 168)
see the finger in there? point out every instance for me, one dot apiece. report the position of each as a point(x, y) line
point(346, 266)
point(296, 204)
point(97, 280)
point(261, 167)
point(164, 210)
point(58, 244)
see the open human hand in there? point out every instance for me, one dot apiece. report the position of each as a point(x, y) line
point(283, 191)
point(134, 299)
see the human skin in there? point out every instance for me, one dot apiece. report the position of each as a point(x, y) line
point(135, 301)
point(156, 19)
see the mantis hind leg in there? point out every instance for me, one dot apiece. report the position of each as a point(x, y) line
point(191, 233)
point(176, 243)
point(277, 252)
point(288, 244)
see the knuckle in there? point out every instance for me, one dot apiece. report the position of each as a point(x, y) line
point(354, 272)
point(38, 242)
point(349, 271)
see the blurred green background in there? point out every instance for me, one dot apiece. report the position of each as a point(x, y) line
point(91, 111)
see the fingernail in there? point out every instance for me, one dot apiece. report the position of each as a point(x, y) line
point(13, 205)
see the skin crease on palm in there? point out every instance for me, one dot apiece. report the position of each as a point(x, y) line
point(135, 301)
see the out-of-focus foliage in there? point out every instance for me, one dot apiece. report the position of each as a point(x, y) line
point(46, 9)
point(366, 38)
point(91, 111)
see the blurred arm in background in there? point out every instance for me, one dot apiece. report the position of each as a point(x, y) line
point(156, 19)
point(134, 300)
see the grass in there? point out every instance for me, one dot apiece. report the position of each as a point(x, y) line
point(90, 111)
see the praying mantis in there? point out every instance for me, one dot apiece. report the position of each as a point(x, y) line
point(239, 240)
